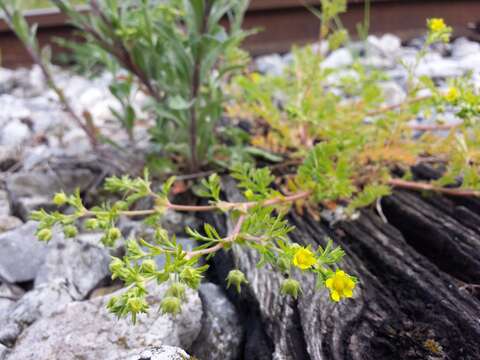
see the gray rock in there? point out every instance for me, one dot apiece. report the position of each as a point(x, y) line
point(14, 133)
point(338, 58)
point(23, 206)
point(8, 157)
point(386, 46)
point(3, 352)
point(462, 47)
point(21, 253)
point(8, 223)
point(271, 64)
point(86, 330)
point(9, 294)
point(76, 142)
point(82, 261)
point(4, 203)
point(162, 353)
point(439, 68)
point(392, 93)
point(32, 190)
point(7, 80)
point(471, 62)
point(42, 301)
point(222, 332)
point(16, 110)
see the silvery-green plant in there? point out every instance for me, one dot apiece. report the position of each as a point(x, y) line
point(258, 223)
point(180, 53)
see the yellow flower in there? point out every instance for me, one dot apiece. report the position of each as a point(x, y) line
point(452, 94)
point(256, 77)
point(436, 25)
point(304, 258)
point(340, 285)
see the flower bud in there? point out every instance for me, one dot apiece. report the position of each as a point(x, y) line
point(249, 195)
point(141, 282)
point(91, 224)
point(60, 199)
point(191, 277)
point(149, 266)
point(121, 205)
point(114, 233)
point(45, 235)
point(283, 264)
point(116, 265)
point(177, 290)
point(236, 278)
point(171, 305)
point(70, 231)
point(290, 287)
point(136, 305)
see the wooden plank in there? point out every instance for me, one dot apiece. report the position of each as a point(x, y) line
point(284, 23)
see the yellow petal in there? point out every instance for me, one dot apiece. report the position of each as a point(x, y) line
point(347, 293)
point(340, 273)
point(350, 284)
point(335, 296)
point(329, 283)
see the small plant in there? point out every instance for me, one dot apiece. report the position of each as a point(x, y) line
point(346, 149)
point(179, 53)
point(259, 224)
point(336, 121)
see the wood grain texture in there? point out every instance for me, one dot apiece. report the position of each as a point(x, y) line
point(408, 304)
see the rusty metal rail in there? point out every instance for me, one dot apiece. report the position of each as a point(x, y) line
point(284, 23)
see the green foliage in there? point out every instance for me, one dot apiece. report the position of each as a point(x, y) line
point(327, 172)
point(347, 146)
point(259, 225)
point(42, 4)
point(351, 142)
point(179, 54)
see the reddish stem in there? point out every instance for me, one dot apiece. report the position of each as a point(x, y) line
point(230, 238)
point(243, 205)
point(419, 186)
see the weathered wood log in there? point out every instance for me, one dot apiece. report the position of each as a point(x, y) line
point(408, 304)
point(446, 233)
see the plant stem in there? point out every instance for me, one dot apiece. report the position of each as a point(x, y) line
point(435, 127)
point(420, 186)
point(203, 208)
point(196, 83)
point(241, 205)
point(230, 238)
point(399, 105)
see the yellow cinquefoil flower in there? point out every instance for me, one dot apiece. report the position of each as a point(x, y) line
point(340, 285)
point(256, 77)
point(436, 24)
point(452, 94)
point(304, 258)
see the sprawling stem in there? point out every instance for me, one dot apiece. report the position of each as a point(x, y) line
point(400, 105)
point(230, 238)
point(243, 206)
point(419, 186)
